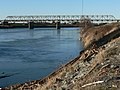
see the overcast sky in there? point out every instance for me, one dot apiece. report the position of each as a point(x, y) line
point(39, 7)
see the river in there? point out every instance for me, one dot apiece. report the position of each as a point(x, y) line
point(27, 55)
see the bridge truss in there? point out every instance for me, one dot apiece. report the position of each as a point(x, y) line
point(62, 18)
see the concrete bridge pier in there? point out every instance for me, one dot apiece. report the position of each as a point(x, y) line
point(5, 22)
point(31, 25)
point(58, 25)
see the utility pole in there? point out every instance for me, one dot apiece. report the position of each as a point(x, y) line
point(82, 6)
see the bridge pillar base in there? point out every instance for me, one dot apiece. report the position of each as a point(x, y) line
point(31, 25)
point(58, 25)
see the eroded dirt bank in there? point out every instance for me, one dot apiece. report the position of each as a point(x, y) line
point(97, 67)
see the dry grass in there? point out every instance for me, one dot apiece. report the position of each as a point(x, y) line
point(94, 34)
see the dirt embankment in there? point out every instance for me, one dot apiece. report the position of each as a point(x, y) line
point(97, 67)
point(95, 35)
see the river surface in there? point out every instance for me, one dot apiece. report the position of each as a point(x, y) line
point(27, 55)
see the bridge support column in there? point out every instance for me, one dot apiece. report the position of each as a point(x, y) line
point(58, 25)
point(5, 22)
point(31, 25)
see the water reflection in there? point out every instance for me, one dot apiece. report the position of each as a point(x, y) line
point(31, 33)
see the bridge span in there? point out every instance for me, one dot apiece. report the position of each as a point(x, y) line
point(57, 21)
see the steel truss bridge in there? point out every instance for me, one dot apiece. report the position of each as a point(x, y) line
point(62, 18)
point(57, 21)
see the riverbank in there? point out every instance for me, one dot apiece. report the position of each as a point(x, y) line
point(97, 67)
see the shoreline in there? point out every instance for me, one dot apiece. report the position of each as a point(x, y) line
point(100, 42)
